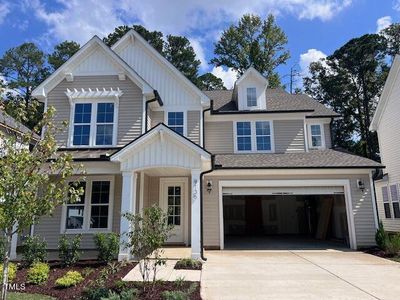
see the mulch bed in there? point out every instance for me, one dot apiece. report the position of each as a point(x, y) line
point(380, 253)
point(56, 271)
point(178, 266)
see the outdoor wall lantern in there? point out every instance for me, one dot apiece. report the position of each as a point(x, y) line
point(209, 186)
point(360, 184)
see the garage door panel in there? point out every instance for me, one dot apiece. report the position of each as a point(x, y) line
point(328, 190)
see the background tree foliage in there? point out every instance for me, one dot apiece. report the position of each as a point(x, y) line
point(350, 81)
point(209, 82)
point(62, 52)
point(392, 36)
point(253, 42)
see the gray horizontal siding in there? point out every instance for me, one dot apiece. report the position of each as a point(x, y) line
point(193, 126)
point(289, 136)
point(130, 105)
point(219, 137)
point(49, 227)
point(156, 117)
point(328, 137)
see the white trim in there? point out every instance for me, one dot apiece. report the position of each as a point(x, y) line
point(255, 116)
point(184, 111)
point(304, 171)
point(291, 183)
point(201, 128)
point(144, 115)
point(94, 43)
point(253, 71)
point(93, 94)
point(253, 137)
point(309, 136)
point(373, 199)
point(141, 192)
point(93, 123)
point(179, 180)
point(132, 34)
point(305, 135)
point(87, 208)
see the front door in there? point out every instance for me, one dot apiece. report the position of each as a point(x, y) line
point(173, 193)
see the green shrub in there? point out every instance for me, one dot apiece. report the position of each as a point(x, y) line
point(188, 263)
point(72, 278)
point(12, 272)
point(34, 250)
point(107, 245)
point(174, 295)
point(95, 293)
point(392, 245)
point(38, 273)
point(381, 236)
point(130, 294)
point(69, 249)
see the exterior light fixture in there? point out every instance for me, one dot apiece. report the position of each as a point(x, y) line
point(209, 186)
point(360, 184)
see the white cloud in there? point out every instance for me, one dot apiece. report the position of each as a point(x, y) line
point(228, 76)
point(383, 23)
point(4, 10)
point(312, 55)
point(81, 19)
point(198, 49)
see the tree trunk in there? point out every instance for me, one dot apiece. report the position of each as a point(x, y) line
point(6, 261)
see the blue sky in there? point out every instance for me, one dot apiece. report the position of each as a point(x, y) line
point(314, 27)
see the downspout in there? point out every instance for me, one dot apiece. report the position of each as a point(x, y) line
point(201, 207)
point(156, 98)
point(204, 114)
point(377, 174)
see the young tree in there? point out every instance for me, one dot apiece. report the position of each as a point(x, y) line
point(253, 42)
point(350, 81)
point(392, 36)
point(32, 182)
point(180, 53)
point(210, 82)
point(23, 68)
point(148, 233)
point(62, 52)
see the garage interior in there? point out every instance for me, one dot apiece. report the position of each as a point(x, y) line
point(284, 220)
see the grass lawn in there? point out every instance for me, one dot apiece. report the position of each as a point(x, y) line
point(22, 296)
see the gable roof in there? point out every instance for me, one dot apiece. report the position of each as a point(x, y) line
point(132, 33)
point(41, 91)
point(383, 100)
point(161, 128)
point(255, 73)
point(278, 100)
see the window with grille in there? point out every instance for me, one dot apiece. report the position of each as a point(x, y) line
point(386, 204)
point(174, 205)
point(394, 193)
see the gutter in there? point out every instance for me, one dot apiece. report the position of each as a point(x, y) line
point(156, 98)
point(204, 113)
point(201, 207)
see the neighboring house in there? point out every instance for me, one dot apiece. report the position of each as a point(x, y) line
point(11, 127)
point(240, 162)
point(386, 123)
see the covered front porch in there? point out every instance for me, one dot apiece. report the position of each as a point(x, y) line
point(163, 168)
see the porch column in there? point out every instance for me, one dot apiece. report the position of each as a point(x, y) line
point(195, 228)
point(128, 204)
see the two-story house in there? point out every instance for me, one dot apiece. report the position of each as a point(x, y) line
point(386, 123)
point(225, 165)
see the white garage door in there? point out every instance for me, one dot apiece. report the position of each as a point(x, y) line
point(318, 190)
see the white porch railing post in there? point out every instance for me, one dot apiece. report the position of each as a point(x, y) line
point(195, 228)
point(128, 204)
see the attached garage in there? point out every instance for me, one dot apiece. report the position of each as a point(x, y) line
point(275, 214)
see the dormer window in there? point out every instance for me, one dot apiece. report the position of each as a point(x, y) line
point(316, 136)
point(251, 97)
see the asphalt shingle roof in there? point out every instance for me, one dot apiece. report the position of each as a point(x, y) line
point(313, 159)
point(277, 100)
point(88, 154)
point(7, 120)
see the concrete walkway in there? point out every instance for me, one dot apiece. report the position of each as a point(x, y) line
point(308, 275)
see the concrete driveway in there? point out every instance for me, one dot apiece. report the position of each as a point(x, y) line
point(324, 274)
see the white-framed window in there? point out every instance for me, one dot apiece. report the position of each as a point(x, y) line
point(394, 194)
point(316, 136)
point(93, 212)
point(254, 136)
point(385, 200)
point(94, 123)
point(176, 121)
point(251, 94)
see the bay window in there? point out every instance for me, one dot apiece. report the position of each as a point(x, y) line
point(254, 136)
point(94, 124)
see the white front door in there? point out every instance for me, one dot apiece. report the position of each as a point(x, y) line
point(173, 200)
